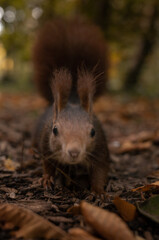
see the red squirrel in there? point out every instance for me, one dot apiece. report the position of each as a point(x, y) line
point(70, 70)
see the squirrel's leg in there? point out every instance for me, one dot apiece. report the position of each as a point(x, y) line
point(98, 177)
point(52, 178)
point(49, 174)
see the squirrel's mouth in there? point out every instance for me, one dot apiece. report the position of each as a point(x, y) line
point(72, 160)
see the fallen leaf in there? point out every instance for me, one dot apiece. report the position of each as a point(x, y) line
point(142, 136)
point(106, 224)
point(76, 232)
point(75, 210)
point(60, 219)
point(126, 209)
point(30, 224)
point(150, 208)
point(146, 187)
point(10, 164)
point(128, 146)
point(139, 238)
point(35, 205)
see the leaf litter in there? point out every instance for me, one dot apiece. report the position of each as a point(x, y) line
point(133, 136)
point(150, 208)
point(30, 224)
point(126, 209)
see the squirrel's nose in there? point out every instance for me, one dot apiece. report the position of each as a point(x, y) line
point(74, 153)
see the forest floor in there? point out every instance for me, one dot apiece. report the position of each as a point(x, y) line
point(132, 128)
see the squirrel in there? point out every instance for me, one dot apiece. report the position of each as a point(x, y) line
point(70, 71)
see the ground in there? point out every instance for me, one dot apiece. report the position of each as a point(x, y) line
point(132, 129)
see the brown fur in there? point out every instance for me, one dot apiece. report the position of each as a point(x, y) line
point(60, 90)
point(69, 44)
point(86, 89)
point(70, 56)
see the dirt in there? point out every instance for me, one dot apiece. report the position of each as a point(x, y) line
point(130, 121)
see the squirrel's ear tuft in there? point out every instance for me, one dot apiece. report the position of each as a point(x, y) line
point(61, 86)
point(86, 89)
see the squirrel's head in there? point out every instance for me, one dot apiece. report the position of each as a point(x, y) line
point(73, 134)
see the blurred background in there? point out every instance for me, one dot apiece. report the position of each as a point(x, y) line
point(131, 28)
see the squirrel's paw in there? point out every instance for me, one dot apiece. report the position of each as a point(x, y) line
point(103, 196)
point(58, 183)
point(47, 181)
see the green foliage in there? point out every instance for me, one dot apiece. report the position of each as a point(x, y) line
point(150, 208)
point(124, 24)
point(18, 4)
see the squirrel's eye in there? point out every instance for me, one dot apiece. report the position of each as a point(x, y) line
point(93, 132)
point(55, 131)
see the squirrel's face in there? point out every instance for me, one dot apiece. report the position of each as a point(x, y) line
point(73, 136)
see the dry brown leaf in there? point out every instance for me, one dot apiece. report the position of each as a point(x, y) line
point(75, 210)
point(76, 232)
point(126, 209)
point(139, 238)
point(30, 224)
point(146, 187)
point(142, 136)
point(60, 219)
point(107, 224)
point(10, 164)
point(128, 146)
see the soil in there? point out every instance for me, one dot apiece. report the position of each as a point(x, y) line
point(132, 129)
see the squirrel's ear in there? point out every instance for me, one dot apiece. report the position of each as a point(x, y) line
point(86, 89)
point(61, 86)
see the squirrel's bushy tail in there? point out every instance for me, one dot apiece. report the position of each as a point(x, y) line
point(73, 45)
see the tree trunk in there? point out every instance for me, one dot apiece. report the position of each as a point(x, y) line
point(147, 44)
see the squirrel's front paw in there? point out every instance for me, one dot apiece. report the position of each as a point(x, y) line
point(47, 181)
point(50, 183)
point(98, 193)
point(103, 197)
